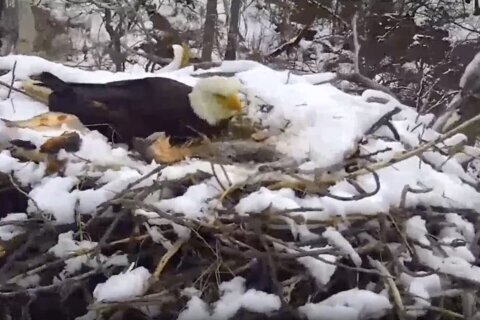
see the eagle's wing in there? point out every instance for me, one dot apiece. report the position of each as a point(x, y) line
point(136, 107)
point(127, 90)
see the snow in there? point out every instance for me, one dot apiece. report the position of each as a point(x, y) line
point(66, 246)
point(198, 200)
point(449, 265)
point(317, 78)
point(431, 283)
point(24, 173)
point(29, 281)
point(319, 270)
point(196, 309)
point(448, 190)
point(8, 232)
point(335, 238)
point(265, 198)
point(258, 30)
point(235, 297)
point(416, 230)
point(422, 288)
point(115, 182)
point(348, 305)
point(465, 229)
point(123, 286)
point(324, 108)
point(53, 196)
point(317, 125)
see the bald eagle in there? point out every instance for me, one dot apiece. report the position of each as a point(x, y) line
point(139, 107)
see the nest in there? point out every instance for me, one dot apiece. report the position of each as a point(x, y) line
point(244, 232)
point(265, 250)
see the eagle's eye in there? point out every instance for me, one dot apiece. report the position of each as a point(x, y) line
point(231, 102)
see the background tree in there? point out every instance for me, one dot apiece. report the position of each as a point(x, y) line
point(9, 25)
point(416, 48)
point(231, 52)
point(209, 30)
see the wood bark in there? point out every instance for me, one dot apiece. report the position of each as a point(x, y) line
point(209, 30)
point(8, 26)
point(115, 47)
point(232, 43)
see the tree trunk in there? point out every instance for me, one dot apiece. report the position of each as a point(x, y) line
point(231, 53)
point(209, 30)
point(399, 7)
point(9, 26)
point(115, 47)
point(226, 4)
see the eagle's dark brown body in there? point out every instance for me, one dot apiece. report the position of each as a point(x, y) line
point(132, 108)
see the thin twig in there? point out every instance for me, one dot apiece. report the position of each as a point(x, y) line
point(166, 257)
point(361, 195)
point(51, 287)
point(407, 189)
point(417, 151)
point(356, 44)
point(383, 121)
point(77, 253)
point(394, 292)
point(19, 189)
point(13, 79)
point(330, 12)
point(6, 85)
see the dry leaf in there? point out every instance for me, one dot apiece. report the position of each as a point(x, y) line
point(48, 120)
point(69, 141)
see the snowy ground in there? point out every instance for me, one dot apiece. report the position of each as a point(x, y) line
point(324, 126)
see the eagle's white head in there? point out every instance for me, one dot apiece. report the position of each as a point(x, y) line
point(216, 98)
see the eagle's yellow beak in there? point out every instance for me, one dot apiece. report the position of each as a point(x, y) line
point(233, 103)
